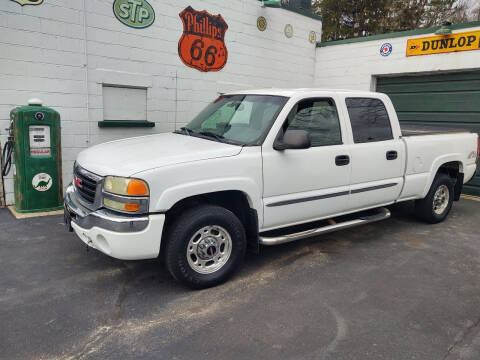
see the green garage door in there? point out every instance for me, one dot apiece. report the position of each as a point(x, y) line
point(446, 100)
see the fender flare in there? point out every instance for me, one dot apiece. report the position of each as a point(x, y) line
point(437, 164)
point(173, 195)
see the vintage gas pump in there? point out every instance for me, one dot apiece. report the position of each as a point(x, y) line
point(34, 137)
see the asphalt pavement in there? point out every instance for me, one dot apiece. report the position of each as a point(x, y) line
point(397, 289)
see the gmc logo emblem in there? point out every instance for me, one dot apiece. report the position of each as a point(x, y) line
point(77, 182)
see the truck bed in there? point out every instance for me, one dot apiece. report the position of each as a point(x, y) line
point(416, 130)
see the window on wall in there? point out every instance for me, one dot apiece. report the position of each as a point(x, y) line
point(369, 119)
point(319, 118)
point(124, 103)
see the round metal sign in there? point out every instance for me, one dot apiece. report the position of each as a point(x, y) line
point(288, 30)
point(386, 49)
point(137, 14)
point(42, 182)
point(261, 23)
point(29, 2)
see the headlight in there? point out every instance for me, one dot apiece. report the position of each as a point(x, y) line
point(125, 194)
point(121, 206)
point(125, 186)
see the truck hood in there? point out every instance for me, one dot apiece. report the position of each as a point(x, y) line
point(129, 156)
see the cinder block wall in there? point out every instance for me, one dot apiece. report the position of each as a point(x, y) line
point(63, 50)
point(42, 54)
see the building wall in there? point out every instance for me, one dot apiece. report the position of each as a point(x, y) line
point(42, 54)
point(62, 51)
point(355, 65)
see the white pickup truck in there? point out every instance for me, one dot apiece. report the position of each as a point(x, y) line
point(261, 167)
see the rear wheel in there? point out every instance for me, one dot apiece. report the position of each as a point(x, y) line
point(435, 207)
point(205, 246)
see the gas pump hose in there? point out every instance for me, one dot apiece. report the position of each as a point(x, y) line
point(7, 157)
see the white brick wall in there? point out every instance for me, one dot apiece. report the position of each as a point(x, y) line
point(42, 54)
point(354, 65)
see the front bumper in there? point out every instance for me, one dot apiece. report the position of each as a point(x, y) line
point(120, 236)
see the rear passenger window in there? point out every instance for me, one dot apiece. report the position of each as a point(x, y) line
point(369, 120)
point(319, 118)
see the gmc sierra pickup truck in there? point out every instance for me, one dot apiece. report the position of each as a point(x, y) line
point(261, 167)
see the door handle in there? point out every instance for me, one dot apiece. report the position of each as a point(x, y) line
point(342, 160)
point(392, 155)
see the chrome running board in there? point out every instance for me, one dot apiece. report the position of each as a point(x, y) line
point(383, 214)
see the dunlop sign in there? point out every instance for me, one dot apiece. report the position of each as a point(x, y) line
point(444, 44)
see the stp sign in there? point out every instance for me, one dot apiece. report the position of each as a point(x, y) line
point(202, 45)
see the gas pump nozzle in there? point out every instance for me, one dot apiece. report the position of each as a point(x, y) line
point(7, 151)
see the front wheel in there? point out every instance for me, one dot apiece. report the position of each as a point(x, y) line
point(435, 207)
point(205, 246)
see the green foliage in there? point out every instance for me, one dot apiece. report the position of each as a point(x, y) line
point(343, 19)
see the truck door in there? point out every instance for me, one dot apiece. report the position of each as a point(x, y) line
point(377, 156)
point(307, 184)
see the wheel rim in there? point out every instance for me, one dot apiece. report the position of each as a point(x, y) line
point(441, 199)
point(209, 249)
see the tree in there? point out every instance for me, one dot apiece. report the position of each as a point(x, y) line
point(349, 18)
point(344, 19)
point(405, 15)
point(466, 10)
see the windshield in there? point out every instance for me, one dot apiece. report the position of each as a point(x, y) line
point(240, 119)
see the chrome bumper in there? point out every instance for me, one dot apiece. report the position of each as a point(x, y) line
point(102, 218)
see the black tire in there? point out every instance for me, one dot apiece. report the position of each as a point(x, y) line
point(425, 207)
point(182, 231)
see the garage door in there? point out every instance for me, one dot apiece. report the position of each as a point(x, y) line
point(445, 100)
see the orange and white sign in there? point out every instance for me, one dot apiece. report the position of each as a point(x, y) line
point(464, 41)
point(202, 45)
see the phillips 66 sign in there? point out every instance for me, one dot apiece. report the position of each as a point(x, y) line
point(202, 45)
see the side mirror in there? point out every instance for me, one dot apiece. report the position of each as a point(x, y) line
point(293, 139)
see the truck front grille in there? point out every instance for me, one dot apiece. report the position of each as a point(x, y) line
point(85, 183)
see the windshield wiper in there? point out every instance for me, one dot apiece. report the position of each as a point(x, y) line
point(212, 134)
point(184, 130)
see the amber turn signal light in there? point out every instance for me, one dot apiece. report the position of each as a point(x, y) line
point(137, 188)
point(132, 207)
point(117, 205)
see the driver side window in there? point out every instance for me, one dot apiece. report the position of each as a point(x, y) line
point(319, 117)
